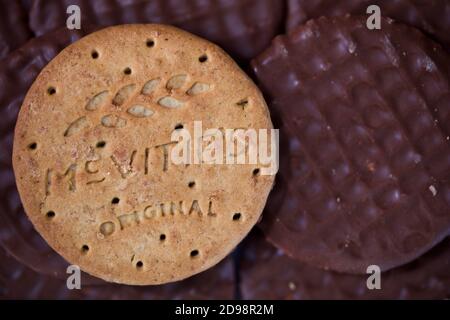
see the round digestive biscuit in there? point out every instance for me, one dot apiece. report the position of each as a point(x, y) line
point(93, 154)
point(366, 113)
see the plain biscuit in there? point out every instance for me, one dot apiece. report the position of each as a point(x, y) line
point(91, 154)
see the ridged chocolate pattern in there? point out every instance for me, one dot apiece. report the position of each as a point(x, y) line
point(14, 30)
point(267, 273)
point(242, 27)
point(19, 282)
point(432, 17)
point(367, 119)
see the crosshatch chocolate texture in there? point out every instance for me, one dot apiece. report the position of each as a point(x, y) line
point(432, 17)
point(243, 27)
point(366, 112)
point(364, 149)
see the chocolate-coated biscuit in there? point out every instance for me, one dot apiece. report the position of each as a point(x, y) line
point(432, 17)
point(267, 273)
point(367, 115)
point(242, 27)
point(14, 30)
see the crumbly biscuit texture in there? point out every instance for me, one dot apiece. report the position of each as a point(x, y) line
point(92, 152)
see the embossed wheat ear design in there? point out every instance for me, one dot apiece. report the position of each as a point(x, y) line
point(138, 110)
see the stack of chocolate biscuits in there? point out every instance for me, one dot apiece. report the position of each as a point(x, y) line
point(364, 149)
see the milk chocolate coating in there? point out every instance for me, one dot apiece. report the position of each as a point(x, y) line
point(366, 116)
point(432, 17)
point(267, 273)
point(242, 27)
point(14, 30)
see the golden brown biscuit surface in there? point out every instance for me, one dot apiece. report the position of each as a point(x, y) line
point(92, 146)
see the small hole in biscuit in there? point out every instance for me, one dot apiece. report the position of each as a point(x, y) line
point(32, 146)
point(51, 90)
point(256, 172)
point(139, 265)
point(162, 237)
point(115, 200)
point(101, 144)
point(194, 253)
point(85, 248)
point(127, 71)
point(94, 54)
point(236, 216)
point(150, 43)
point(50, 214)
point(191, 184)
point(203, 58)
point(179, 126)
